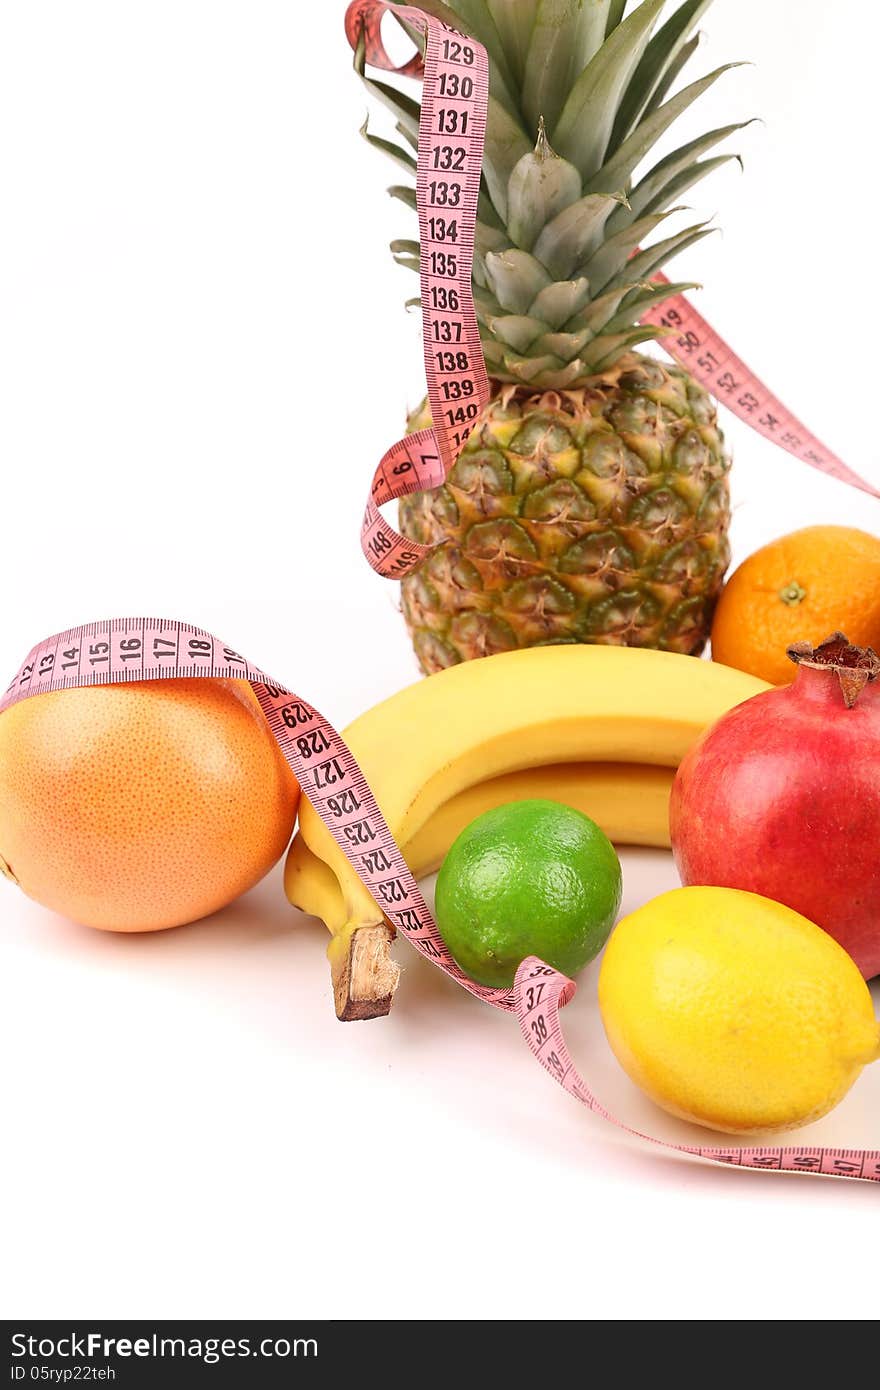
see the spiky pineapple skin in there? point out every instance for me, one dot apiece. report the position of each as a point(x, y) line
point(595, 515)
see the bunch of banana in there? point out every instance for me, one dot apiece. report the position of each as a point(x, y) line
point(600, 728)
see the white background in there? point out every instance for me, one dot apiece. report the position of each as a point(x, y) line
point(203, 350)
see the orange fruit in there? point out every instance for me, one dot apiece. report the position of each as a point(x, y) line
point(800, 588)
point(142, 806)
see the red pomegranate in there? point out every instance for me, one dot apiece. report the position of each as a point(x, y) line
point(782, 797)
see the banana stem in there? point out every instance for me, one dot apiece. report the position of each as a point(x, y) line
point(364, 975)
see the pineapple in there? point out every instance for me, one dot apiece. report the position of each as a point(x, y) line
point(591, 501)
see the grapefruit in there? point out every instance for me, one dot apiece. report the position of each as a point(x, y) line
point(142, 806)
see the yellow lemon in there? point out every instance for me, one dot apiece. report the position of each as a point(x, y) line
point(735, 1012)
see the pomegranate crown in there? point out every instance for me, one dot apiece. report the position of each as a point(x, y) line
point(854, 666)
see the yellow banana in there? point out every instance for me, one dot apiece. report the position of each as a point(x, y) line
point(484, 719)
point(628, 800)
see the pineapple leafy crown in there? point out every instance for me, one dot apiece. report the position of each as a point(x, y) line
point(580, 93)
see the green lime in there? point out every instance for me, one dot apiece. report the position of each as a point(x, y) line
point(532, 878)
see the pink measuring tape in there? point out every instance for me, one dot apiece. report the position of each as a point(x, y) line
point(447, 189)
point(139, 649)
point(143, 649)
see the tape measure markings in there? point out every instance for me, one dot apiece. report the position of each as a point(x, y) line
point(421, 461)
point(118, 650)
point(712, 362)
